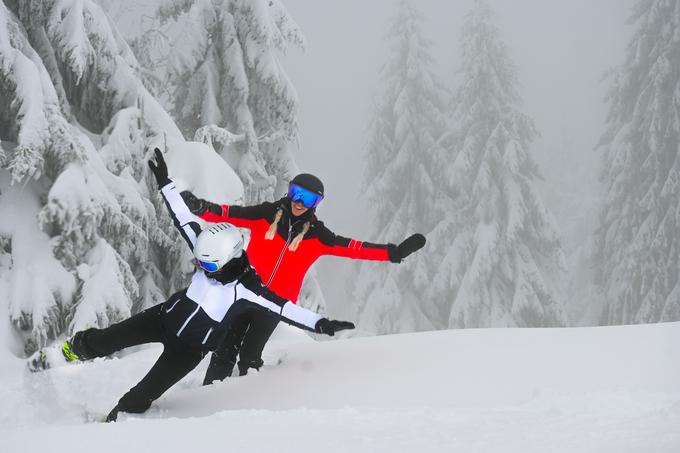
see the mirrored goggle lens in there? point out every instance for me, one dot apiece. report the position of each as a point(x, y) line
point(208, 266)
point(307, 198)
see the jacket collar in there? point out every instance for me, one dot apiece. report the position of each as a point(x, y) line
point(233, 270)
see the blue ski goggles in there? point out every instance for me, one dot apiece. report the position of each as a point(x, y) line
point(208, 266)
point(307, 198)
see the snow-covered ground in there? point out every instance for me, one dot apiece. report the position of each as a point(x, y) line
point(605, 389)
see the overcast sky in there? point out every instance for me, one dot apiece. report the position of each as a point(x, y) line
point(561, 49)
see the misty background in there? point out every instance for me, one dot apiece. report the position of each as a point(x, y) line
point(561, 49)
point(548, 192)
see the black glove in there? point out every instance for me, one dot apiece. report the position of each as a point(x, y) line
point(159, 169)
point(411, 244)
point(199, 206)
point(330, 326)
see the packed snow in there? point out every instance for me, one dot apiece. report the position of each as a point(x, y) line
point(604, 389)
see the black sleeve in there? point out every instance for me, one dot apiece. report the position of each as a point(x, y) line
point(352, 248)
point(258, 211)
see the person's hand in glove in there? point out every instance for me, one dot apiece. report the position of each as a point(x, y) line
point(409, 245)
point(199, 206)
point(159, 169)
point(330, 326)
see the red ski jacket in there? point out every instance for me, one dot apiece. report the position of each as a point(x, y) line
point(282, 269)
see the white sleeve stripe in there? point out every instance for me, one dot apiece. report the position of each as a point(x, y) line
point(300, 315)
point(244, 293)
point(180, 212)
point(289, 310)
point(179, 208)
point(191, 234)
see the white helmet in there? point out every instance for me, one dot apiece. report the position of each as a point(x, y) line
point(218, 245)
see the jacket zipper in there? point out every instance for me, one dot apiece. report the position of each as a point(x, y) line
point(283, 251)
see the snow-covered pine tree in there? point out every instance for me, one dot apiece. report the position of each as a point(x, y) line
point(221, 62)
point(402, 178)
point(498, 257)
point(80, 230)
point(638, 250)
point(227, 88)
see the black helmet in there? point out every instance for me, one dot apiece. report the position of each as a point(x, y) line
point(309, 182)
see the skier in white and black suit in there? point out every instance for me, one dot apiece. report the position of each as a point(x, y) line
point(195, 320)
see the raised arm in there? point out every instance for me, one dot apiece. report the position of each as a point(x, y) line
point(181, 216)
point(251, 288)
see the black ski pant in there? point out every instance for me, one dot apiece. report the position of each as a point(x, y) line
point(246, 338)
point(176, 361)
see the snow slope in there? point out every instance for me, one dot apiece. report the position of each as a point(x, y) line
point(605, 389)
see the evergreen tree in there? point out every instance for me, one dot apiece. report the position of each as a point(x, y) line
point(402, 177)
point(639, 234)
point(227, 88)
point(83, 230)
point(220, 61)
point(498, 257)
point(493, 256)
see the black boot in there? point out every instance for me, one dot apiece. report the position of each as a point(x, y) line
point(243, 366)
point(219, 368)
point(74, 349)
point(113, 415)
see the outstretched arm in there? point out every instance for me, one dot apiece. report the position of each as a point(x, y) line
point(181, 216)
point(252, 289)
point(240, 216)
point(351, 248)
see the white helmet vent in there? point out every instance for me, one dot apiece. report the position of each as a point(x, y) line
point(219, 244)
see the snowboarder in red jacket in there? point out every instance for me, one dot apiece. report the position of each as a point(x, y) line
point(286, 238)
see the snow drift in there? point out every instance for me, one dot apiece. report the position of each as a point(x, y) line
point(607, 389)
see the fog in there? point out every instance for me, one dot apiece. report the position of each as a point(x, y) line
point(561, 50)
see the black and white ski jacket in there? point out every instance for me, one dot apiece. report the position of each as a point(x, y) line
point(200, 315)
